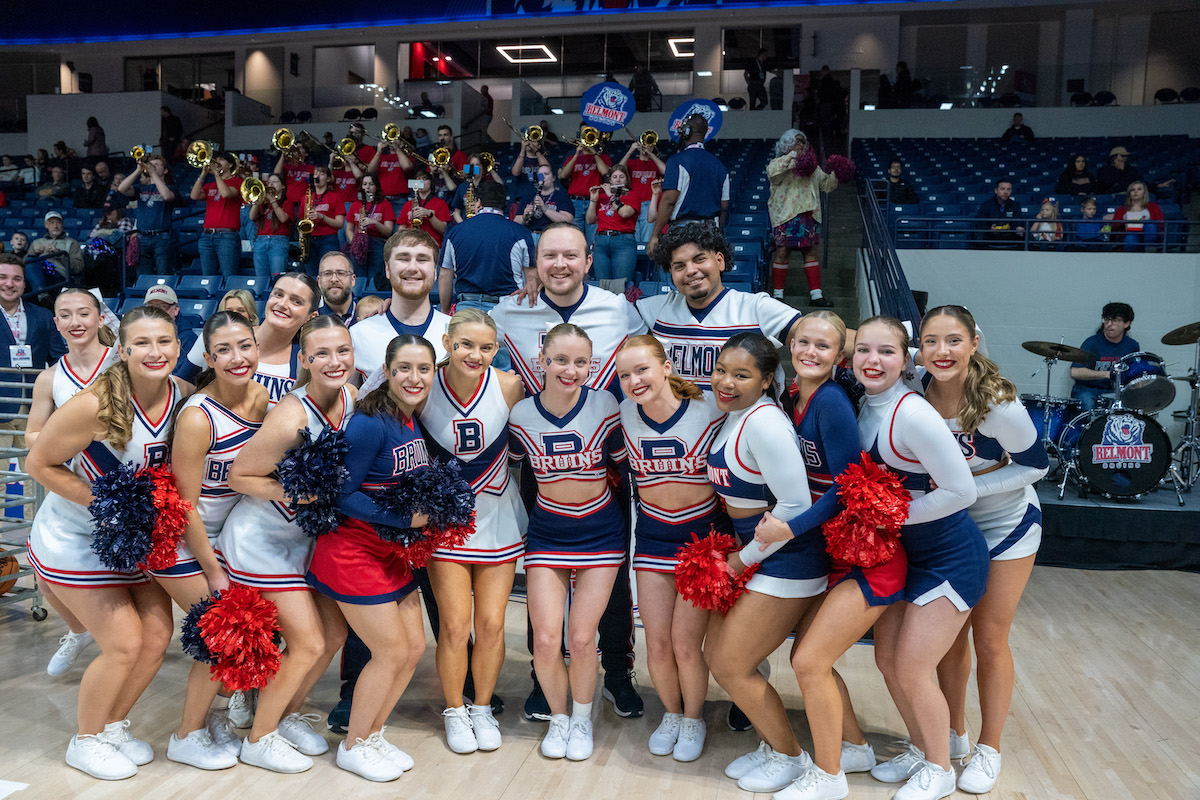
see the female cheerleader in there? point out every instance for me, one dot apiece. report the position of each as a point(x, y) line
point(669, 425)
point(569, 433)
point(263, 547)
point(364, 574)
point(215, 422)
point(466, 417)
point(756, 466)
point(1006, 457)
point(947, 556)
point(79, 319)
point(122, 417)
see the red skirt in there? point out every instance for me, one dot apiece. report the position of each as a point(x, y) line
point(353, 565)
point(882, 584)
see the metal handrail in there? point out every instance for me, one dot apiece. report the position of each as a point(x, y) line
point(883, 267)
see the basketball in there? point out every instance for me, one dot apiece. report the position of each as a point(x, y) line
point(8, 566)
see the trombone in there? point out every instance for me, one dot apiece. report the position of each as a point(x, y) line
point(391, 134)
point(412, 153)
point(441, 158)
point(345, 148)
point(488, 161)
point(140, 152)
point(533, 133)
point(589, 138)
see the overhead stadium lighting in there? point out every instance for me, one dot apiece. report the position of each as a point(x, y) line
point(538, 53)
point(674, 43)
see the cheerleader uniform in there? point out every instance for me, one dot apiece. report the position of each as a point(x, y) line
point(278, 378)
point(475, 432)
point(670, 452)
point(260, 543)
point(67, 382)
point(352, 564)
point(60, 542)
point(947, 556)
point(577, 446)
point(755, 461)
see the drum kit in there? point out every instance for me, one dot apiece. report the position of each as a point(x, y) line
point(1119, 450)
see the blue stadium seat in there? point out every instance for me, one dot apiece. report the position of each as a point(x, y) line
point(199, 287)
point(258, 287)
point(197, 308)
point(144, 282)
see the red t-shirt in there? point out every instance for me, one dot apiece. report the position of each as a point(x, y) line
point(328, 203)
point(607, 218)
point(345, 184)
point(585, 175)
point(223, 212)
point(641, 173)
point(381, 211)
point(393, 180)
point(364, 153)
point(458, 160)
point(440, 210)
point(296, 178)
point(269, 224)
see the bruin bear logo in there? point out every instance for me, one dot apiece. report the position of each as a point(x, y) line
point(612, 98)
point(1124, 429)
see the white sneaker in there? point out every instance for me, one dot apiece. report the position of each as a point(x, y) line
point(487, 730)
point(198, 749)
point(979, 776)
point(221, 730)
point(297, 728)
point(117, 734)
point(275, 753)
point(744, 764)
point(930, 782)
point(857, 757)
point(691, 740)
point(98, 758)
point(69, 648)
point(815, 784)
point(663, 740)
point(460, 734)
point(900, 768)
point(775, 772)
point(579, 740)
point(554, 743)
point(366, 759)
point(241, 709)
point(398, 756)
point(960, 746)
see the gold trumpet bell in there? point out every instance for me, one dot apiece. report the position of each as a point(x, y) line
point(283, 140)
point(391, 132)
point(253, 190)
point(199, 153)
point(534, 133)
point(489, 162)
point(140, 151)
point(441, 157)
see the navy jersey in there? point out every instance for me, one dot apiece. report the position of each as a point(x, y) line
point(382, 448)
point(576, 446)
point(701, 180)
point(828, 433)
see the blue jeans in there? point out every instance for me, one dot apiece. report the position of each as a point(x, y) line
point(373, 268)
point(270, 256)
point(1087, 395)
point(158, 245)
point(644, 229)
point(614, 256)
point(503, 359)
point(249, 230)
point(317, 247)
point(219, 252)
point(581, 207)
point(1147, 237)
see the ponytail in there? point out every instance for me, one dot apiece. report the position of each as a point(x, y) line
point(984, 387)
point(112, 389)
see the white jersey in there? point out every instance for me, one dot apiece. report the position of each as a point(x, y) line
point(278, 378)
point(372, 336)
point(609, 320)
point(674, 451)
point(67, 382)
point(576, 446)
point(693, 337)
point(227, 434)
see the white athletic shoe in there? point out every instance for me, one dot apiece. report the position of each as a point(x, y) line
point(221, 730)
point(900, 768)
point(554, 743)
point(960, 746)
point(241, 709)
point(744, 764)
point(815, 784)
point(460, 735)
point(398, 756)
point(198, 749)
point(297, 728)
point(775, 772)
point(857, 757)
point(487, 730)
point(275, 753)
point(930, 782)
point(979, 776)
point(69, 648)
point(117, 734)
point(366, 759)
point(98, 758)
point(579, 740)
point(691, 740)
point(663, 740)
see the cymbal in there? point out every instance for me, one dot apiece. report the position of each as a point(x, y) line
point(1188, 334)
point(1063, 352)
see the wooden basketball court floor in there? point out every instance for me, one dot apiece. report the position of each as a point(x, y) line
point(1107, 706)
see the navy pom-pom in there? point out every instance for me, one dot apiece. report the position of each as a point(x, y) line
point(190, 636)
point(315, 470)
point(438, 491)
point(122, 509)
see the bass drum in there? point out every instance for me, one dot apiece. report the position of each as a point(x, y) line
point(1117, 453)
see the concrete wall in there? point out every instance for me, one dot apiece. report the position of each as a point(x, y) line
point(990, 122)
point(128, 118)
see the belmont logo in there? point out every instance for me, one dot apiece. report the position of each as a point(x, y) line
point(1122, 445)
point(703, 109)
point(609, 105)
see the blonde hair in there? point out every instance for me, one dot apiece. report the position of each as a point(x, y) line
point(113, 387)
point(564, 329)
point(897, 328)
point(244, 297)
point(984, 386)
point(681, 388)
point(367, 306)
point(318, 323)
point(467, 316)
point(105, 334)
point(833, 319)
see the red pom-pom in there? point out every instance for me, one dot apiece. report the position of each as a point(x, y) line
point(806, 164)
point(241, 631)
point(841, 168)
point(701, 574)
point(867, 531)
point(454, 536)
point(170, 521)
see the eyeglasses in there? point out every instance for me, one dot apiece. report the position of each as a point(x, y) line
point(339, 274)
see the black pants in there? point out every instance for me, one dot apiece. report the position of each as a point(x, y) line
point(758, 95)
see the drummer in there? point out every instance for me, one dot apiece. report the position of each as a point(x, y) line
point(1110, 344)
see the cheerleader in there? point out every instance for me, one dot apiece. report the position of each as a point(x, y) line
point(947, 556)
point(1006, 457)
point(122, 417)
point(756, 466)
point(669, 425)
point(215, 422)
point(364, 574)
point(263, 547)
point(570, 434)
point(80, 321)
point(466, 418)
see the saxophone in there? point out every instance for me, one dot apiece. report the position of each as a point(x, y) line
point(305, 225)
point(414, 222)
point(469, 199)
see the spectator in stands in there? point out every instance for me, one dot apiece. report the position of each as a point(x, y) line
point(613, 209)
point(368, 306)
point(644, 87)
point(1108, 344)
point(1117, 174)
point(421, 139)
point(1046, 231)
point(489, 112)
point(104, 176)
point(89, 193)
point(999, 227)
point(64, 154)
point(273, 217)
point(474, 179)
point(1076, 179)
point(830, 104)
point(795, 208)
point(547, 134)
point(775, 90)
point(695, 184)
point(644, 167)
point(3, 201)
point(10, 173)
point(57, 186)
point(59, 249)
point(152, 216)
point(240, 301)
point(328, 215)
point(112, 226)
point(406, 135)
point(898, 189)
point(756, 81)
point(1140, 220)
point(335, 277)
point(111, 229)
point(1090, 232)
point(43, 164)
point(430, 212)
point(18, 245)
point(220, 244)
point(536, 153)
point(95, 144)
point(543, 203)
point(29, 173)
point(1017, 130)
point(170, 139)
point(902, 88)
point(371, 221)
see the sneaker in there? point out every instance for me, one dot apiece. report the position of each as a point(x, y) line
point(960, 746)
point(487, 730)
point(775, 772)
point(737, 720)
point(366, 759)
point(241, 709)
point(339, 717)
point(117, 734)
point(900, 768)
point(579, 740)
point(297, 728)
point(536, 705)
point(98, 758)
point(398, 756)
point(930, 782)
point(691, 740)
point(275, 753)
point(979, 776)
point(820, 302)
point(198, 749)
point(497, 701)
point(662, 741)
point(69, 648)
point(220, 729)
point(554, 743)
point(857, 757)
point(619, 690)
point(744, 764)
point(459, 732)
point(815, 784)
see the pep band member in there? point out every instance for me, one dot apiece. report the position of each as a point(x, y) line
point(123, 417)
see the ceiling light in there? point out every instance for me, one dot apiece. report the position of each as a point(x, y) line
point(527, 53)
point(448, 58)
point(868, 107)
point(436, 58)
point(430, 114)
point(723, 107)
point(557, 111)
point(674, 43)
point(946, 106)
point(704, 73)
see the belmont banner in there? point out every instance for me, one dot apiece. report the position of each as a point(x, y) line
point(705, 108)
point(607, 107)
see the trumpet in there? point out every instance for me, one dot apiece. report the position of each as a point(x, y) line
point(254, 191)
point(589, 138)
point(140, 152)
point(200, 153)
point(441, 158)
point(648, 139)
point(283, 140)
point(488, 160)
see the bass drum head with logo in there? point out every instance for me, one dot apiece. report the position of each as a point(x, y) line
point(1122, 453)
